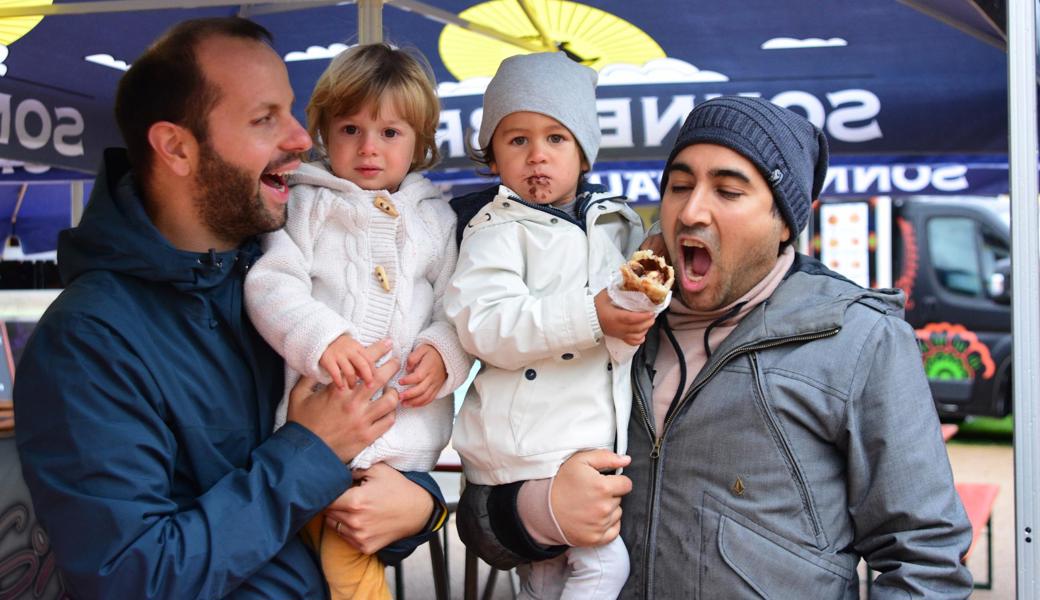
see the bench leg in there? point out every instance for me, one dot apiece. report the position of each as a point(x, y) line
point(988, 584)
point(439, 561)
point(399, 581)
point(469, 583)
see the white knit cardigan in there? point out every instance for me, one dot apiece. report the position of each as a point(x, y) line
point(317, 280)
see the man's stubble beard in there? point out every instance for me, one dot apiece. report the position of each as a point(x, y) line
point(229, 200)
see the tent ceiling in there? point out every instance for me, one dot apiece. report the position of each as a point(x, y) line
point(878, 76)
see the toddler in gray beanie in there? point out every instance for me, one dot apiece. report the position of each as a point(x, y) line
point(789, 151)
point(529, 298)
point(566, 92)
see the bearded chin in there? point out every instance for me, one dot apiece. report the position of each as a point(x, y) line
point(229, 201)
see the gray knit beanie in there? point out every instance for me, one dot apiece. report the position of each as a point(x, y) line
point(548, 83)
point(789, 151)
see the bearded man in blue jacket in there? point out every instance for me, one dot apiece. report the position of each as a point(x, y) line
point(145, 399)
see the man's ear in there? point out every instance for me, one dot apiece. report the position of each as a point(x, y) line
point(174, 146)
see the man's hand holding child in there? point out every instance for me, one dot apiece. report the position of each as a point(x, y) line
point(347, 419)
point(426, 375)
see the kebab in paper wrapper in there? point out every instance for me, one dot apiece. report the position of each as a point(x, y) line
point(648, 273)
point(643, 284)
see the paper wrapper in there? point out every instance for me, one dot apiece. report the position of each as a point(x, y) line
point(619, 351)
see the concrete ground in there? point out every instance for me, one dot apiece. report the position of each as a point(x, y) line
point(972, 462)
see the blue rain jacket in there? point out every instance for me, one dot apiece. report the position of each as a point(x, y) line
point(145, 405)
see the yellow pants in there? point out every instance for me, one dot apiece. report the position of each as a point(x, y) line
point(351, 575)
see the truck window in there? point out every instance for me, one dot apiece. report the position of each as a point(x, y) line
point(994, 250)
point(954, 253)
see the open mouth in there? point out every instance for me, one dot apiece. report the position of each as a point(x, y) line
point(696, 260)
point(275, 181)
point(538, 180)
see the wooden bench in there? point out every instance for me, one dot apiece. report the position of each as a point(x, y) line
point(978, 500)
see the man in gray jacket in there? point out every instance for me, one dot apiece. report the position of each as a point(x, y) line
point(782, 427)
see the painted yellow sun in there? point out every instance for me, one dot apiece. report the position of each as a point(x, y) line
point(13, 28)
point(596, 37)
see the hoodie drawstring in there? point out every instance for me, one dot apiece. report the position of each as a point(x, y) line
point(707, 332)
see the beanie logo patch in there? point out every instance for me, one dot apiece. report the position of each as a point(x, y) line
point(776, 177)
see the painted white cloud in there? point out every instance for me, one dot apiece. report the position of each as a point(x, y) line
point(106, 60)
point(659, 70)
point(784, 43)
point(470, 87)
point(316, 53)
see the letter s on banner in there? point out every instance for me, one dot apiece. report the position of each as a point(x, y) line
point(865, 105)
point(73, 128)
point(950, 178)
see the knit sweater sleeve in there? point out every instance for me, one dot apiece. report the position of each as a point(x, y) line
point(440, 333)
point(278, 289)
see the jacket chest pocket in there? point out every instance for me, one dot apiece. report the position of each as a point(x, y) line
point(742, 559)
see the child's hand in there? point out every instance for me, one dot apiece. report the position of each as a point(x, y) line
point(629, 327)
point(426, 375)
point(346, 362)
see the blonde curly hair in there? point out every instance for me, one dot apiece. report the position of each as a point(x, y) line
point(372, 75)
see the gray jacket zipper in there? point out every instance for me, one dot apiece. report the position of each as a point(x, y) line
point(796, 471)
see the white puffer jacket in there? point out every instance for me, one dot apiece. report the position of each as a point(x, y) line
point(317, 280)
point(522, 301)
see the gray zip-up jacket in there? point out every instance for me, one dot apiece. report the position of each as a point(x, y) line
point(807, 441)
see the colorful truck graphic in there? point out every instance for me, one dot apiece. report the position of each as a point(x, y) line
point(950, 256)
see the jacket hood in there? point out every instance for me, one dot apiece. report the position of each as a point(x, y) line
point(116, 234)
point(812, 300)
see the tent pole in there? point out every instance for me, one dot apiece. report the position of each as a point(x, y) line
point(536, 22)
point(449, 18)
point(110, 6)
point(1025, 252)
point(993, 37)
point(370, 21)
